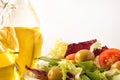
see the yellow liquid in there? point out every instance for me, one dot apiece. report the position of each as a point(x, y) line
point(8, 70)
point(30, 44)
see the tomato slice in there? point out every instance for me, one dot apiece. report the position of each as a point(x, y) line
point(108, 57)
point(70, 56)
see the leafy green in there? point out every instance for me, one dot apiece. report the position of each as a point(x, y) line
point(96, 45)
point(63, 66)
point(87, 65)
point(59, 50)
point(69, 66)
point(84, 77)
point(91, 70)
point(86, 70)
point(103, 76)
point(116, 77)
point(48, 59)
point(52, 62)
point(112, 72)
point(93, 75)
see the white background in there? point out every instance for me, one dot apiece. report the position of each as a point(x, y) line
point(79, 20)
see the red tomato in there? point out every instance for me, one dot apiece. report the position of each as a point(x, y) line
point(70, 56)
point(108, 57)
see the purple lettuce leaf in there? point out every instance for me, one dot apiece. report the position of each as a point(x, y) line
point(70, 76)
point(75, 47)
point(40, 74)
point(98, 51)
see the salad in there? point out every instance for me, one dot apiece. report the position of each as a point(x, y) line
point(87, 60)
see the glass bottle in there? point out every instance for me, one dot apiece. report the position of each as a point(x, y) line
point(8, 42)
point(26, 26)
point(8, 38)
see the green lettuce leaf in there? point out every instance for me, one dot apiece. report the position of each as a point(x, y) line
point(91, 71)
point(69, 66)
point(59, 49)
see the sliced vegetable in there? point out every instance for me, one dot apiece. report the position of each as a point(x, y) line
point(70, 56)
point(108, 57)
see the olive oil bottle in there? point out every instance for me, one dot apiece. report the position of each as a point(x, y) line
point(25, 24)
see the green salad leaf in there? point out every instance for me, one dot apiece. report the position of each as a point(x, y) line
point(90, 71)
point(69, 66)
point(87, 65)
point(84, 77)
point(95, 75)
point(59, 49)
point(51, 62)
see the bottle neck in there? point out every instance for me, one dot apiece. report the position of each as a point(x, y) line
point(22, 3)
point(25, 15)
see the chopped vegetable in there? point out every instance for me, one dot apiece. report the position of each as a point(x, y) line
point(109, 57)
point(70, 56)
